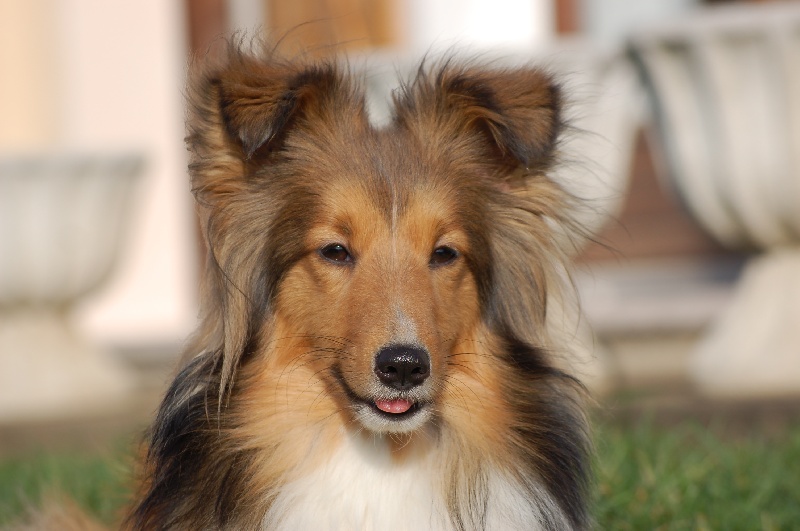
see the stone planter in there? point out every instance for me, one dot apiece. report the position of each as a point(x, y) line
point(603, 113)
point(725, 87)
point(61, 223)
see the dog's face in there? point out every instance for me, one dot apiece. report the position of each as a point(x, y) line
point(384, 282)
point(379, 249)
point(373, 318)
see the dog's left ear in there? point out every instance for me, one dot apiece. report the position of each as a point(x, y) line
point(517, 110)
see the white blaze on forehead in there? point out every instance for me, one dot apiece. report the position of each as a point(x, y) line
point(404, 330)
point(393, 228)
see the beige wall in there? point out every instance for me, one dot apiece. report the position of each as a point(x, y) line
point(29, 75)
point(106, 76)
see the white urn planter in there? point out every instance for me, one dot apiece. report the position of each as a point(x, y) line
point(726, 93)
point(61, 224)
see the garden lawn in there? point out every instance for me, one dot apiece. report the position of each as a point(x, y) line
point(647, 477)
point(685, 477)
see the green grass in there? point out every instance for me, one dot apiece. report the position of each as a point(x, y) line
point(648, 477)
point(686, 478)
point(99, 483)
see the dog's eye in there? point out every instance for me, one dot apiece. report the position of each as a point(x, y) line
point(336, 252)
point(443, 255)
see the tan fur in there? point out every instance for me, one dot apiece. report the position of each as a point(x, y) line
point(281, 378)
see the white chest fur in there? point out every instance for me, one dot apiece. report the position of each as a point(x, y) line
point(362, 488)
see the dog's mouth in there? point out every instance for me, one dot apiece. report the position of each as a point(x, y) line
point(396, 409)
point(385, 414)
point(397, 406)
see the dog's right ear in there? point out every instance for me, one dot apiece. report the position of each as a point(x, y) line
point(258, 100)
point(243, 109)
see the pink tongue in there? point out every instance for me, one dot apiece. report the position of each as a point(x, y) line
point(394, 406)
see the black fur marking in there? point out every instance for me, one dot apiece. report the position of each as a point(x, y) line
point(184, 473)
point(551, 430)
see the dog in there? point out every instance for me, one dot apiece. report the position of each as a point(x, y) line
point(373, 349)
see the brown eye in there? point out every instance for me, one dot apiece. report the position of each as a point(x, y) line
point(336, 252)
point(443, 255)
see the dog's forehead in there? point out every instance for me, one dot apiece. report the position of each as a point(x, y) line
point(406, 164)
point(388, 167)
point(393, 179)
point(385, 181)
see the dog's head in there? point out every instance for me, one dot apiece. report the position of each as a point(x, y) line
point(382, 251)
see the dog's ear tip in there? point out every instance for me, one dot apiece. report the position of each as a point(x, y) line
point(256, 99)
point(517, 109)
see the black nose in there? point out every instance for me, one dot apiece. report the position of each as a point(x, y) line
point(402, 366)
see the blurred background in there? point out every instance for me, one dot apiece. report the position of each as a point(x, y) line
point(685, 145)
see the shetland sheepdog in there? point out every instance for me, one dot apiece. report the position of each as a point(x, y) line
point(373, 350)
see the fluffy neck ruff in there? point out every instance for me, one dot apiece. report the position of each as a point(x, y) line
point(506, 450)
